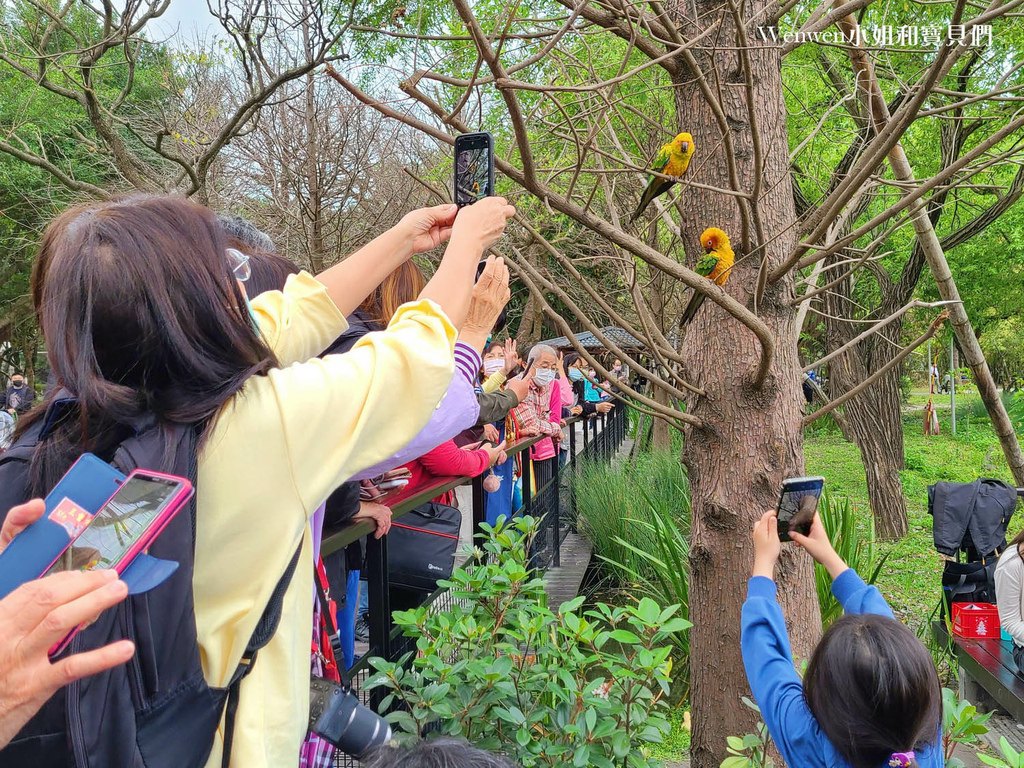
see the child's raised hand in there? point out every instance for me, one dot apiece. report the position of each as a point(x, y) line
point(818, 546)
point(766, 544)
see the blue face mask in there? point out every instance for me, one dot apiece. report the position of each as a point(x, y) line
point(575, 374)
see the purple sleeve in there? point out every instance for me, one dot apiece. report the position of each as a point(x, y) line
point(458, 410)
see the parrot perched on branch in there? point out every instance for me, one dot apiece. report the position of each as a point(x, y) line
point(673, 159)
point(716, 266)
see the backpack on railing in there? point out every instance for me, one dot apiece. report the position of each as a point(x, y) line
point(156, 711)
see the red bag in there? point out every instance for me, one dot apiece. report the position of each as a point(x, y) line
point(976, 621)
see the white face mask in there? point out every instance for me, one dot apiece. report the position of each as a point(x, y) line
point(544, 376)
point(493, 366)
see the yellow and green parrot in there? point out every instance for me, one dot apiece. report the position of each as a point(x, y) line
point(673, 159)
point(715, 265)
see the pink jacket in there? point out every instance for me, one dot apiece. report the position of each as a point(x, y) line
point(545, 449)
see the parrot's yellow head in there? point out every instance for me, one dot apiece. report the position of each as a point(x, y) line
point(713, 238)
point(683, 144)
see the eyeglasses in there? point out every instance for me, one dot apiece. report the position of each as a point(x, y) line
point(239, 262)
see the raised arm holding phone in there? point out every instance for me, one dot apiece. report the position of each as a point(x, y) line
point(870, 696)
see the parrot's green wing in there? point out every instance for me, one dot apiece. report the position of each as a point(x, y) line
point(707, 265)
point(663, 158)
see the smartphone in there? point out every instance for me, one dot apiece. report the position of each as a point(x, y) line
point(125, 526)
point(798, 501)
point(69, 510)
point(474, 167)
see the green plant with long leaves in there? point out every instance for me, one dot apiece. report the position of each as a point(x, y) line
point(840, 520)
point(502, 670)
point(619, 505)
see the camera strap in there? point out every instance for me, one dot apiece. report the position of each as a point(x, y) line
point(332, 629)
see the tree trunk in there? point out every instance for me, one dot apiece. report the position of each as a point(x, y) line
point(874, 422)
point(751, 440)
point(662, 431)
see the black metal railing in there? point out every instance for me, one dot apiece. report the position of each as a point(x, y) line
point(590, 440)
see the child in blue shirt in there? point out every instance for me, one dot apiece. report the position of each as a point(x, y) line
point(870, 697)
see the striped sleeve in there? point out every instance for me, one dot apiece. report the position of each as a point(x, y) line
point(467, 361)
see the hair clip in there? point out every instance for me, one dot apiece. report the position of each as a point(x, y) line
point(902, 759)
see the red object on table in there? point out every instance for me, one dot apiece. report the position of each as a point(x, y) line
point(976, 621)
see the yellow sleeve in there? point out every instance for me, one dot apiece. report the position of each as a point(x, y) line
point(494, 382)
point(299, 322)
point(344, 413)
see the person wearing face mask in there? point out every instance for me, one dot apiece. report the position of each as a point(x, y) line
point(578, 405)
point(540, 413)
point(499, 362)
point(18, 397)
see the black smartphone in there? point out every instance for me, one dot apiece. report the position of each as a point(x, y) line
point(798, 501)
point(474, 167)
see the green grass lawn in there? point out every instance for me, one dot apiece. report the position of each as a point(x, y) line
point(911, 575)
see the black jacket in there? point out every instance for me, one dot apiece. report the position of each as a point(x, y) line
point(968, 516)
point(18, 400)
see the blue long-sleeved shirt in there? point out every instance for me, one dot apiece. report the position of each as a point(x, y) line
point(776, 686)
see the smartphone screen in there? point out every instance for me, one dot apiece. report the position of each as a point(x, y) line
point(474, 168)
point(120, 524)
point(798, 502)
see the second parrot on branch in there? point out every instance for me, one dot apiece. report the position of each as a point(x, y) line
point(715, 265)
point(673, 159)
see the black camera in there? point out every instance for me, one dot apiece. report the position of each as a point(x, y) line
point(337, 716)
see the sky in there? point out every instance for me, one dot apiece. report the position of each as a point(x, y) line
point(185, 19)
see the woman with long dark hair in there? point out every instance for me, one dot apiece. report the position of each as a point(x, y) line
point(143, 314)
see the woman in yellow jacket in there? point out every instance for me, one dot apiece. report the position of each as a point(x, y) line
point(140, 314)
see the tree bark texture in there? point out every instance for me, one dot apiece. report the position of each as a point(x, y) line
point(752, 437)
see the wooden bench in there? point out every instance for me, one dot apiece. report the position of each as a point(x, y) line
point(988, 674)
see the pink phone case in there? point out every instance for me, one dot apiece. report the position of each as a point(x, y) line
point(177, 501)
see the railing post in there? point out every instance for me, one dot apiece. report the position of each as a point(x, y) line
point(528, 503)
point(556, 520)
point(479, 506)
point(572, 442)
point(379, 599)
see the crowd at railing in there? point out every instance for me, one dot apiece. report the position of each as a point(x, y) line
point(316, 419)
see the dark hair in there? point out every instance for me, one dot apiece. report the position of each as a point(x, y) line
point(403, 284)
point(146, 318)
point(244, 235)
point(494, 345)
point(571, 359)
point(873, 688)
point(269, 273)
point(437, 753)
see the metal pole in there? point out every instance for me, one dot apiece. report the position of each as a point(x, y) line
point(528, 501)
point(479, 506)
point(556, 521)
point(379, 603)
point(952, 387)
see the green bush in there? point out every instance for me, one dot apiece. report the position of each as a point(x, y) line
point(501, 670)
point(618, 506)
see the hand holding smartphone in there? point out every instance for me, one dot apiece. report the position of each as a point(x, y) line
point(798, 501)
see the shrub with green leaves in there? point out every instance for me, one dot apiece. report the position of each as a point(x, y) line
point(546, 688)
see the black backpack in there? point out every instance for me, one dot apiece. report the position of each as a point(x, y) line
point(156, 711)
